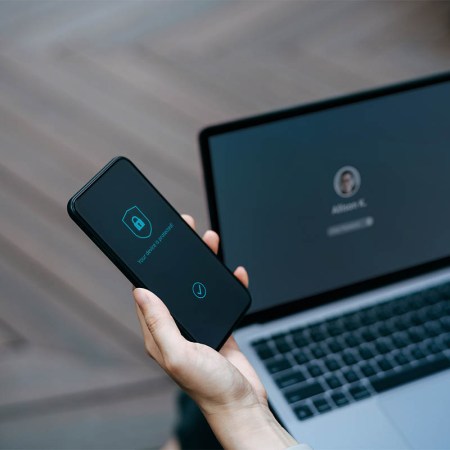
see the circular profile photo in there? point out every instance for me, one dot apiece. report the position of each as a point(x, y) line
point(347, 181)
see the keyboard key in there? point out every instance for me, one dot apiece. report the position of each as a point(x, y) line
point(416, 334)
point(417, 353)
point(322, 405)
point(300, 339)
point(314, 370)
point(303, 392)
point(359, 392)
point(433, 347)
point(400, 340)
point(382, 347)
point(282, 345)
point(446, 341)
point(334, 327)
point(433, 296)
point(351, 321)
point(339, 399)
point(417, 301)
point(349, 358)
point(317, 334)
point(259, 342)
point(433, 329)
point(385, 382)
point(368, 335)
point(303, 412)
point(335, 346)
point(332, 364)
point(264, 351)
point(417, 318)
point(366, 353)
point(434, 312)
point(368, 316)
point(400, 307)
point(279, 336)
point(384, 311)
point(383, 329)
point(401, 359)
point(290, 378)
point(333, 381)
point(301, 358)
point(351, 340)
point(401, 323)
point(368, 370)
point(350, 375)
point(318, 352)
point(445, 321)
point(277, 365)
point(385, 364)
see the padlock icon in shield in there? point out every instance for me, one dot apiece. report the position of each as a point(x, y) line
point(137, 222)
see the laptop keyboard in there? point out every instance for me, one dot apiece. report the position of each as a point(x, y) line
point(330, 364)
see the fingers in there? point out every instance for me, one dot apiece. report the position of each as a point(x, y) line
point(211, 239)
point(158, 321)
point(189, 220)
point(150, 345)
point(241, 274)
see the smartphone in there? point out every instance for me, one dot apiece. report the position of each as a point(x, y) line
point(151, 244)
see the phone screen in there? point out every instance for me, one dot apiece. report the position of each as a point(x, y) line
point(147, 238)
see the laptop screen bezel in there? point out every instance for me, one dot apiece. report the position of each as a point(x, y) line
point(304, 303)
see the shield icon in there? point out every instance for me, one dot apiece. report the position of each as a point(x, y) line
point(137, 222)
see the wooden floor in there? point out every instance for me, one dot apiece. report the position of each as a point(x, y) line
point(81, 82)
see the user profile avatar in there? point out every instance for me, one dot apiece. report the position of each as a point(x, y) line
point(347, 181)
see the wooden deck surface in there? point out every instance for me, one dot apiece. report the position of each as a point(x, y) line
point(81, 82)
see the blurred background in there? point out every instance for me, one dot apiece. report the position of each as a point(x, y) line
point(84, 81)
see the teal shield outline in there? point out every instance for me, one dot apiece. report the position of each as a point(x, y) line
point(127, 220)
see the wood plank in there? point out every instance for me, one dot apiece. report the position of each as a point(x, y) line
point(102, 100)
point(60, 353)
point(131, 418)
point(50, 314)
point(80, 133)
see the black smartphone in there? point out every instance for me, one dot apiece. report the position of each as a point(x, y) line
point(151, 244)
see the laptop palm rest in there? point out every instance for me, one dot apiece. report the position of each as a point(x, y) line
point(419, 411)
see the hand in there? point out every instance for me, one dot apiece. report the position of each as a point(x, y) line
point(223, 384)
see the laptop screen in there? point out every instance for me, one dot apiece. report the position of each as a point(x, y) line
point(323, 200)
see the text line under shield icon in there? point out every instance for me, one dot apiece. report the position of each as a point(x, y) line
point(137, 222)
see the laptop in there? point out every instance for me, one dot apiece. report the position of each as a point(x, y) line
point(340, 211)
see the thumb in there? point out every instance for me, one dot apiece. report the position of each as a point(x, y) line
point(158, 321)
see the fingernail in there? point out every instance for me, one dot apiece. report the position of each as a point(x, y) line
point(142, 296)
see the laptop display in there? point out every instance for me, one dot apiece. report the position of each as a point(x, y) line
point(325, 199)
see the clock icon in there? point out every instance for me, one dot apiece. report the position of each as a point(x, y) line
point(199, 289)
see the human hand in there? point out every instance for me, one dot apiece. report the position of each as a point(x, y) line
point(223, 384)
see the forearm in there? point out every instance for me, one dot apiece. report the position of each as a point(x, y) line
point(249, 428)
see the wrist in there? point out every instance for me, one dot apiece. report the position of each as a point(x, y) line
point(249, 427)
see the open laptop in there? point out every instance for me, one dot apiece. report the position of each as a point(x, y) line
point(340, 211)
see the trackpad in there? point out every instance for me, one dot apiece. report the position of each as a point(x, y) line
point(420, 411)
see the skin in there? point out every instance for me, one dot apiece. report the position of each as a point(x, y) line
point(347, 183)
point(223, 384)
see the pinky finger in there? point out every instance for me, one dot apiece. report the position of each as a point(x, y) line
point(241, 274)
